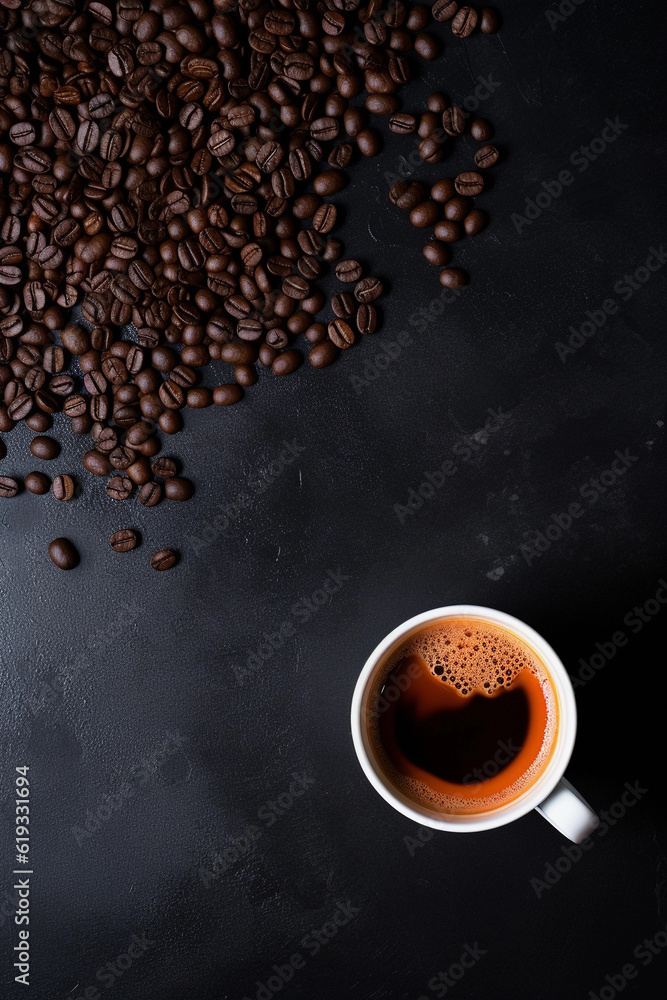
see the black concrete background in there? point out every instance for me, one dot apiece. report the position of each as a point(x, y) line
point(157, 729)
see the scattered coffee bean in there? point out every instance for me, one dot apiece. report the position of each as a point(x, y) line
point(435, 253)
point(486, 156)
point(119, 488)
point(226, 395)
point(164, 559)
point(456, 208)
point(150, 494)
point(469, 183)
point(447, 231)
point(475, 222)
point(464, 22)
point(402, 124)
point(341, 334)
point(164, 468)
point(323, 354)
point(45, 448)
point(63, 487)
point(123, 540)
point(63, 554)
point(453, 277)
point(443, 190)
point(489, 21)
point(8, 486)
point(178, 488)
point(481, 130)
point(37, 482)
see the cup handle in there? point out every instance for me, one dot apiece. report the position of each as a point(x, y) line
point(569, 812)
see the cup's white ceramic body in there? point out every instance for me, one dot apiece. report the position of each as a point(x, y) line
point(552, 796)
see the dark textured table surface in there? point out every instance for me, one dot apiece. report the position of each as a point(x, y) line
point(194, 785)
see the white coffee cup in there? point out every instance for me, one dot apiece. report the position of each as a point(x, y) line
point(550, 794)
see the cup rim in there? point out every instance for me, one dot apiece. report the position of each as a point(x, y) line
point(526, 801)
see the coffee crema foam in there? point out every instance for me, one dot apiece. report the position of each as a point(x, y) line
point(472, 657)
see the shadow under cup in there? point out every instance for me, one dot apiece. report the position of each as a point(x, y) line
point(461, 717)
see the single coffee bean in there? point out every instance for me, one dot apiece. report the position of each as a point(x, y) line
point(124, 540)
point(489, 20)
point(348, 270)
point(140, 471)
point(8, 486)
point(475, 222)
point(150, 494)
point(368, 290)
point(322, 354)
point(447, 231)
point(63, 554)
point(443, 190)
point(164, 559)
point(481, 130)
point(486, 156)
point(96, 463)
point(464, 22)
point(227, 394)
point(397, 190)
point(45, 448)
point(37, 482)
point(435, 253)
point(431, 150)
point(403, 124)
point(366, 318)
point(164, 468)
point(343, 305)
point(453, 121)
point(340, 333)
point(63, 487)
point(286, 363)
point(444, 10)
point(469, 183)
point(425, 214)
point(456, 208)
point(119, 488)
point(428, 123)
point(177, 488)
point(453, 277)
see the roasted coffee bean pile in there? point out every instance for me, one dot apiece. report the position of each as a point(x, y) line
point(447, 206)
point(169, 165)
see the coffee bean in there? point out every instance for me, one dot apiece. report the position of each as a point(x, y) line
point(341, 333)
point(286, 363)
point(348, 270)
point(403, 124)
point(431, 150)
point(443, 190)
point(37, 482)
point(481, 130)
point(486, 156)
point(8, 486)
point(164, 559)
point(464, 22)
point(227, 395)
point(453, 121)
point(444, 10)
point(119, 488)
point(63, 487)
point(474, 222)
point(366, 318)
point(45, 448)
point(368, 289)
point(489, 21)
point(150, 494)
point(63, 554)
point(469, 183)
point(140, 471)
point(164, 468)
point(425, 214)
point(343, 305)
point(124, 540)
point(447, 231)
point(178, 488)
point(453, 277)
point(322, 354)
point(435, 253)
point(456, 208)
point(412, 196)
